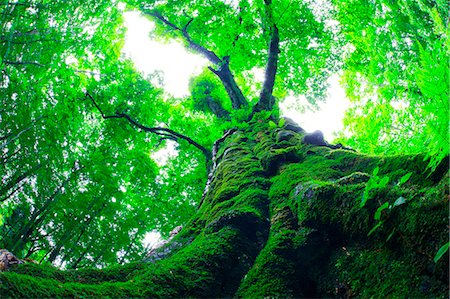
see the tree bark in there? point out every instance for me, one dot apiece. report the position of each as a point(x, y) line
point(226, 77)
point(216, 108)
point(283, 219)
point(266, 99)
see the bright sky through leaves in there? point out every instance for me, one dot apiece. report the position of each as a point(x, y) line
point(177, 66)
point(149, 56)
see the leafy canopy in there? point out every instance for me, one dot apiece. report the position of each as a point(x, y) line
point(79, 124)
point(397, 75)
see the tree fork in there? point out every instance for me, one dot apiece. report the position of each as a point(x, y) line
point(226, 77)
point(223, 69)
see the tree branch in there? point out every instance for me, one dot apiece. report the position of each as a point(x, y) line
point(16, 134)
point(15, 3)
point(235, 40)
point(6, 158)
point(226, 77)
point(216, 108)
point(17, 180)
point(266, 100)
point(165, 133)
point(22, 63)
point(210, 55)
point(223, 68)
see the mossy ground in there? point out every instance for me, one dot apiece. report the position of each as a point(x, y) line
point(283, 219)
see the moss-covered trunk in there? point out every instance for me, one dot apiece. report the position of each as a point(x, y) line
point(281, 218)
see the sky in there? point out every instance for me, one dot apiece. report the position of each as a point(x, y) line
point(177, 66)
point(149, 56)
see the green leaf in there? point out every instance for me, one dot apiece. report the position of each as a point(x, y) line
point(399, 201)
point(384, 181)
point(364, 198)
point(369, 186)
point(272, 125)
point(375, 171)
point(390, 235)
point(404, 178)
point(375, 227)
point(281, 122)
point(441, 252)
point(377, 215)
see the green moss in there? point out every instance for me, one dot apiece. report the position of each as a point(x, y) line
point(349, 161)
point(248, 200)
point(273, 159)
point(273, 274)
point(316, 242)
point(88, 275)
point(378, 273)
point(334, 208)
point(229, 180)
point(316, 168)
point(196, 270)
point(393, 166)
point(422, 224)
point(235, 190)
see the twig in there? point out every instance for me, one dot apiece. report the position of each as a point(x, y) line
point(23, 63)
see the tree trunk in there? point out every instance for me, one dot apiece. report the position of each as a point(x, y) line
point(281, 218)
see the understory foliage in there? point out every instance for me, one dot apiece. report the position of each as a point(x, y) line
point(284, 213)
point(397, 76)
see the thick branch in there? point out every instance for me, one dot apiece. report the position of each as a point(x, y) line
point(223, 69)
point(234, 92)
point(217, 108)
point(163, 132)
point(210, 55)
point(266, 101)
